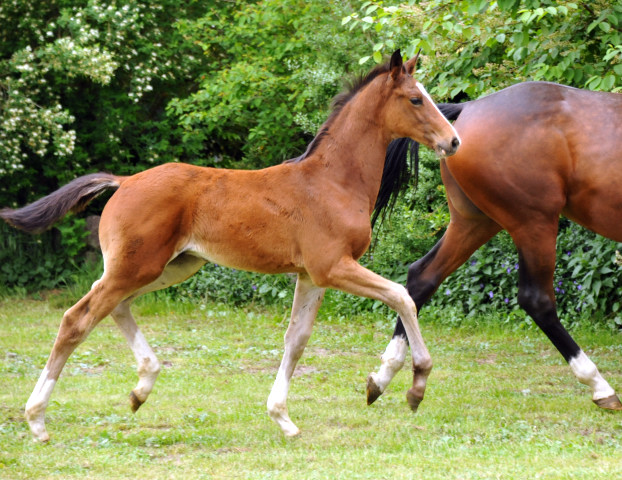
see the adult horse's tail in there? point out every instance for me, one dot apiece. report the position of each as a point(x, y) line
point(74, 197)
point(398, 170)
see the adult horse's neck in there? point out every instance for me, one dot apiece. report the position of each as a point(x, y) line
point(353, 148)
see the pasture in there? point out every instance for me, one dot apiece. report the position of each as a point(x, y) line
point(501, 402)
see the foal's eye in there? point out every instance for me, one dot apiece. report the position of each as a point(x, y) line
point(416, 101)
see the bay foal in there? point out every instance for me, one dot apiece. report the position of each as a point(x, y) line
point(309, 216)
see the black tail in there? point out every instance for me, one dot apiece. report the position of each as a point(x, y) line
point(75, 196)
point(400, 167)
point(451, 110)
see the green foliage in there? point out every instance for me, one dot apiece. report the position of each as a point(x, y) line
point(478, 47)
point(274, 66)
point(586, 280)
point(29, 263)
point(83, 87)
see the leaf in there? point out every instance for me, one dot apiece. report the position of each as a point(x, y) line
point(608, 83)
point(605, 27)
point(362, 60)
point(508, 5)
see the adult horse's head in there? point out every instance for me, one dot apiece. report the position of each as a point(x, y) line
point(409, 111)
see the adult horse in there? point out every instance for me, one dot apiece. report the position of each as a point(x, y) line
point(309, 216)
point(529, 153)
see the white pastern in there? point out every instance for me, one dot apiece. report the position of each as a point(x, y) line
point(37, 403)
point(587, 373)
point(392, 361)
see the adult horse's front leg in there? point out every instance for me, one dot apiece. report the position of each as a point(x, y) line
point(307, 301)
point(536, 256)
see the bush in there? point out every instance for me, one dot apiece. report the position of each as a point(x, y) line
point(586, 278)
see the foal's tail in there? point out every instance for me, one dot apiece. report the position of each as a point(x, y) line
point(74, 197)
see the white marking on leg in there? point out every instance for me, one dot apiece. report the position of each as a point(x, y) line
point(307, 301)
point(36, 405)
point(587, 373)
point(392, 360)
point(148, 365)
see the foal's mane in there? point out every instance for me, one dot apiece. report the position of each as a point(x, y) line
point(402, 157)
point(354, 85)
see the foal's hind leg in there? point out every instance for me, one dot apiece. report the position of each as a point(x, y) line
point(176, 271)
point(77, 323)
point(148, 365)
point(536, 253)
point(307, 301)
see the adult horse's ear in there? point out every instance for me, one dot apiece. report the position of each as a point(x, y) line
point(396, 65)
point(411, 65)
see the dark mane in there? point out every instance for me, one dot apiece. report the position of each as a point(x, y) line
point(401, 164)
point(339, 101)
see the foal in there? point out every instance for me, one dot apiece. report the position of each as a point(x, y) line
point(309, 216)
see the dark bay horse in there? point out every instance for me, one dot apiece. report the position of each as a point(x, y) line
point(309, 216)
point(529, 153)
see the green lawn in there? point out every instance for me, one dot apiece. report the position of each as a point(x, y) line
point(500, 404)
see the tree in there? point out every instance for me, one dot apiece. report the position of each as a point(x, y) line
point(476, 47)
point(84, 87)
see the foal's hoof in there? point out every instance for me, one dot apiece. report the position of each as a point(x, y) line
point(609, 403)
point(413, 400)
point(135, 402)
point(373, 390)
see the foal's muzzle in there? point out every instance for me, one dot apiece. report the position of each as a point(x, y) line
point(448, 148)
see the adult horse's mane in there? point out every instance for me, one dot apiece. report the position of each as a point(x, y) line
point(402, 159)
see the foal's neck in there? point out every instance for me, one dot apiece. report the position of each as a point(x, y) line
point(354, 147)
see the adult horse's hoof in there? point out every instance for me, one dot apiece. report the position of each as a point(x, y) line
point(135, 402)
point(609, 403)
point(413, 400)
point(373, 390)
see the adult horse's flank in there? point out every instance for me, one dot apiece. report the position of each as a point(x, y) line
point(310, 216)
point(529, 153)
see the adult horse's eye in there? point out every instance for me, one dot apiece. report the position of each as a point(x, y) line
point(416, 101)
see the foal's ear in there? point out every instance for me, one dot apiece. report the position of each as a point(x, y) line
point(396, 66)
point(411, 65)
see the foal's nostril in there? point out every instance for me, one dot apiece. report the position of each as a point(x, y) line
point(455, 143)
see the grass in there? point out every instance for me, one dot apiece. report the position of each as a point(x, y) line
point(500, 404)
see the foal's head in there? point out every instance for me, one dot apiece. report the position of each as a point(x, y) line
point(409, 111)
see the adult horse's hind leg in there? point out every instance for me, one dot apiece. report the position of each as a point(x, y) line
point(536, 252)
point(77, 323)
point(307, 301)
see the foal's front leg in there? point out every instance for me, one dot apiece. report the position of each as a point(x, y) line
point(307, 301)
point(348, 276)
